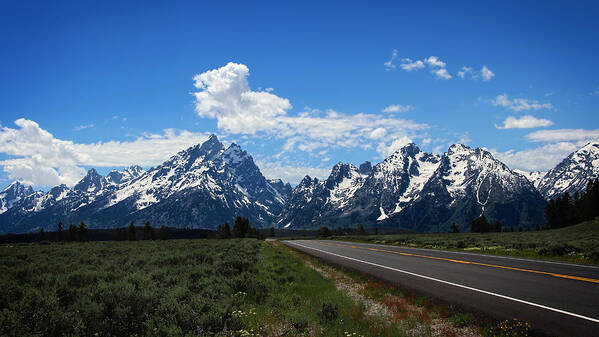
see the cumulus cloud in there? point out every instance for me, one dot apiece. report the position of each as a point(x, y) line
point(389, 64)
point(409, 65)
point(386, 150)
point(464, 71)
point(37, 158)
point(397, 108)
point(519, 104)
point(560, 135)
point(524, 122)
point(434, 61)
point(487, 74)
point(542, 158)
point(442, 74)
point(378, 133)
point(291, 173)
point(226, 96)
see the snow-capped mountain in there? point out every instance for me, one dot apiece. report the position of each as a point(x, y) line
point(419, 191)
point(120, 177)
point(202, 186)
point(572, 174)
point(12, 194)
point(209, 184)
point(534, 177)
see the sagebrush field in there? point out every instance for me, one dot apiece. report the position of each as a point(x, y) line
point(578, 243)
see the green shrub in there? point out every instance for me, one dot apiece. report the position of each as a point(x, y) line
point(462, 320)
point(328, 312)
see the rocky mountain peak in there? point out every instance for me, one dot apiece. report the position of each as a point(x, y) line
point(365, 168)
point(92, 182)
point(573, 173)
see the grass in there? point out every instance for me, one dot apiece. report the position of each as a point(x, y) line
point(576, 244)
point(149, 288)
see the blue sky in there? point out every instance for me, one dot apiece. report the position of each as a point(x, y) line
point(105, 85)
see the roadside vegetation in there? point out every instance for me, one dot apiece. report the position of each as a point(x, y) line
point(232, 287)
point(576, 244)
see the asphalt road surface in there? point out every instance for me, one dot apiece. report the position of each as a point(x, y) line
point(559, 299)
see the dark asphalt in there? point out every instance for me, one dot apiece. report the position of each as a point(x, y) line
point(558, 299)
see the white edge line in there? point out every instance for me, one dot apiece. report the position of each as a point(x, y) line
point(473, 254)
point(456, 285)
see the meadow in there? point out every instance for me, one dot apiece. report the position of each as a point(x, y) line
point(202, 287)
point(577, 244)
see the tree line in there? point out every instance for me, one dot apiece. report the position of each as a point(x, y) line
point(241, 229)
point(566, 210)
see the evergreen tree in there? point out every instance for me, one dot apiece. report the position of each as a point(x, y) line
point(271, 232)
point(82, 232)
point(72, 233)
point(323, 231)
point(376, 231)
point(163, 232)
point(227, 231)
point(59, 230)
point(361, 230)
point(496, 226)
point(148, 233)
point(41, 234)
point(538, 227)
point(241, 226)
point(479, 225)
point(454, 228)
point(131, 234)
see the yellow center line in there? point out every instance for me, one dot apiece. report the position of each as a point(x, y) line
point(579, 278)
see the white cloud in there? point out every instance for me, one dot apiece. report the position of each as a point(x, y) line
point(487, 74)
point(519, 104)
point(37, 158)
point(434, 61)
point(389, 64)
point(408, 65)
point(386, 150)
point(225, 95)
point(560, 135)
point(465, 70)
point(397, 108)
point(442, 74)
point(291, 173)
point(378, 133)
point(82, 127)
point(524, 122)
point(541, 158)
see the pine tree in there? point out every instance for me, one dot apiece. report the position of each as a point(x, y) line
point(148, 231)
point(454, 228)
point(241, 226)
point(163, 232)
point(323, 231)
point(131, 235)
point(479, 225)
point(496, 226)
point(59, 230)
point(361, 230)
point(41, 233)
point(72, 233)
point(82, 232)
point(227, 231)
point(271, 232)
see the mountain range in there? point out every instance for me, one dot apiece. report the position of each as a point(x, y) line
point(209, 184)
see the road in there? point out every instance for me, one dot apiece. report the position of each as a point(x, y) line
point(558, 299)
